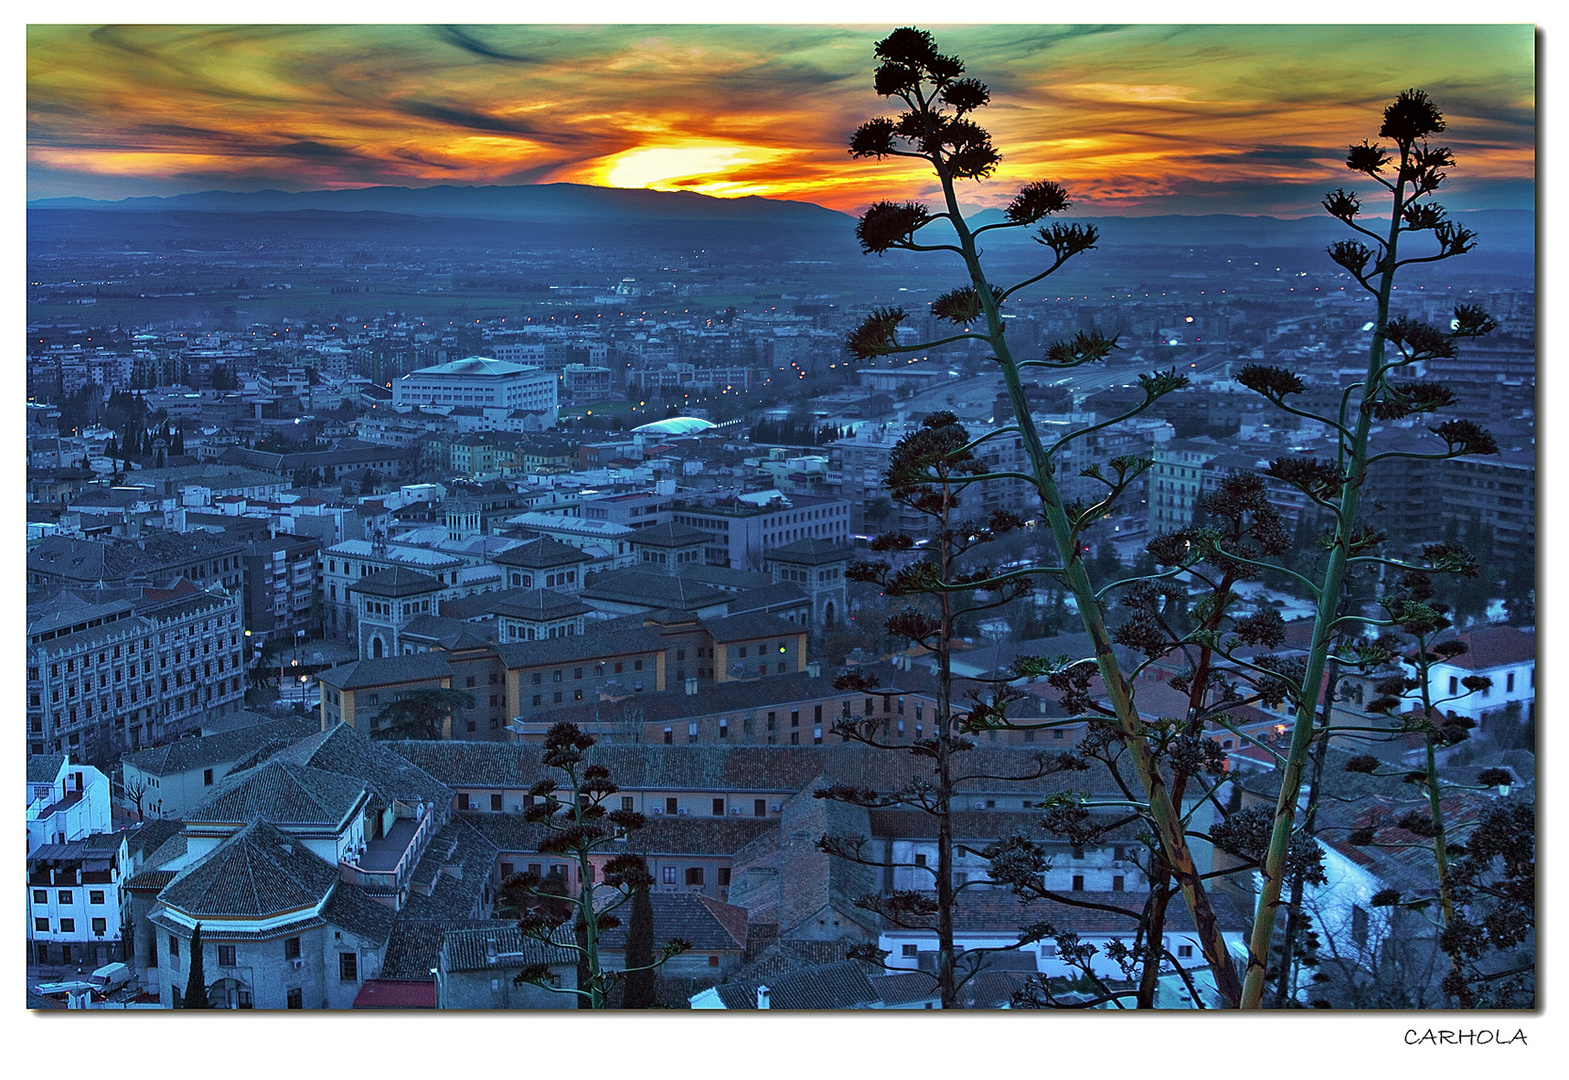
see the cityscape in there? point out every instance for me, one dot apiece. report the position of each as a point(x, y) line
point(865, 569)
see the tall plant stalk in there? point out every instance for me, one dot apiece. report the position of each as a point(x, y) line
point(936, 128)
point(1338, 486)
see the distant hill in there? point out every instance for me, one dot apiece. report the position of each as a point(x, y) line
point(524, 202)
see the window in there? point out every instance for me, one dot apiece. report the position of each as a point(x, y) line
point(671, 805)
point(759, 808)
point(65, 896)
point(348, 966)
point(207, 778)
point(1116, 883)
point(719, 808)
point(670, 875)
point(1509, 683)
point(694, 876)
point(908, 950)
point(41, 926)
point(296, 999)
point(1454, 684)
point(713, 961)
point(291, 948)
point(40, 896)
point(226, 956)
point(1184, 952)
point(669, 739)
point(495, 802)
point(1078, 882)
point(627, 802)
point(742, 652)
point(724, 877)
point(920, 859)
point(1359, 925)
point(174, 945)
point(463, 800)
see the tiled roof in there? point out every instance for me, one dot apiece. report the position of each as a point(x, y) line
point(540, 604)
point(387, 671)
point(725, 577)
point(44, 768)
point(415, 945)
point(750, 626)
point(476, 605)
point(763, 769)
point(183, 755)
point(707, 924)
point(1496, 646)
point(668, 535)
point(349, 908)
point(282, 792)
point(389, 776)
point(258, 871)
point(541, 554)
point(143, 840)
point(649, 589)
point(768, 598)
point(809, 551)
point(450, 879)
point(153, 875)
point(589, 646)
point(450, 634)
point(396, 581)
point(503, 947)
point(844, 985)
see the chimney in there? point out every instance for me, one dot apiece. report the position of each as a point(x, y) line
point(762, 997)
point(691, 686)
point(814, 668)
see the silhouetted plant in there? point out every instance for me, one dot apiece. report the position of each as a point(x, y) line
point(923, 470)
point(938, 127)
point(1398, 345)
point(578, 827)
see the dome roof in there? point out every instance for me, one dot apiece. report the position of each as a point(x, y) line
point(675, 425)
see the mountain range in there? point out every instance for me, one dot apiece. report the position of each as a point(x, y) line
point(1501, 230)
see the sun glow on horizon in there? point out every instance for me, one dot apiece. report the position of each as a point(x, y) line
point(703, 167)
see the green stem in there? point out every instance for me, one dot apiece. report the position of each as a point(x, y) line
point(1163, 813)
point(1323, 628)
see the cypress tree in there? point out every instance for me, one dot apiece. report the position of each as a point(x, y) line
point(196, 982)
point(640, 953)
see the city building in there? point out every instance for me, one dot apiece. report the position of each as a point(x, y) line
point(480, 381)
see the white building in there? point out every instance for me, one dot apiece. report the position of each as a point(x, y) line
point(1501, 653)
point(477, 381)
point(65, 802)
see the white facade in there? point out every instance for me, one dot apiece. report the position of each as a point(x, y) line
point(480, 382)
point(55, 817)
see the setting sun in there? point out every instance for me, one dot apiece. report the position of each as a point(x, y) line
point(691, 166)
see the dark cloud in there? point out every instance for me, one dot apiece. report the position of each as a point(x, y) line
point(311, 150)
point(461, 38)
point(474, 120)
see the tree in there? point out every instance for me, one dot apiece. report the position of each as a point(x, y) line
point(196, 982)
point(421, 714)
point(580, 828)
point(938, 128)
point(639, 990)
point(924, 468)
point(1336, 486)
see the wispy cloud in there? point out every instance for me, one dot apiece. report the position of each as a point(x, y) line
point(1123, 114)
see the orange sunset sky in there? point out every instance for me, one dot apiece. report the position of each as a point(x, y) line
point(1133, 119)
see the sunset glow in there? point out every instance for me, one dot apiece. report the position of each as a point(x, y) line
point(1138, 119)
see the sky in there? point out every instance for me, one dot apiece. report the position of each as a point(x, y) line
point(1136, 119)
